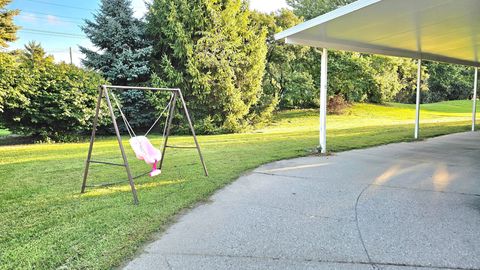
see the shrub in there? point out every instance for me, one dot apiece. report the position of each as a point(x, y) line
point(50, 101)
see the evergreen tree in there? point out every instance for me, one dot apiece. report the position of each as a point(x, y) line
point(34, 53)
point(123, 51)
point(8, 32)
point(123, 55)
point(309, 9)
point(214, 52)
point(8, 29)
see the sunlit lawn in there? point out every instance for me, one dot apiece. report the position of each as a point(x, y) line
point(46, 224)
point(4, 132)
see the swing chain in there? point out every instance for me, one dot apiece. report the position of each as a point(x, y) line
point(127, 123)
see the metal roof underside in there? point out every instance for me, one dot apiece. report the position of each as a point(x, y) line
point(438, 30)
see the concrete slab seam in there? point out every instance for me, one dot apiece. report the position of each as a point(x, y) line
point(320, 261)
point(428, 190)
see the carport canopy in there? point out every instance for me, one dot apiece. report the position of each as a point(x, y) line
point(438, 30)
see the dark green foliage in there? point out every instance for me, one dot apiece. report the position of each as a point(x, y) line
point(370, 78)
point(293, 72)
point(288, 79)
point(216, 55)
point(448, 82)
point(47, 100)
point(408, 76)
point(124, 57)
point(8, 30)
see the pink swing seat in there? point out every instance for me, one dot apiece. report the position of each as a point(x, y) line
point(144, 150)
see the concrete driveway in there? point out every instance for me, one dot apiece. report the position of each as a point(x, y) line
point(400, 206)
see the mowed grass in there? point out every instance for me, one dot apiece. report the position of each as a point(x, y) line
point(4, 132)
point(46, 224)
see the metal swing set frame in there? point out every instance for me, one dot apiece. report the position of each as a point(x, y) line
point(104, 92)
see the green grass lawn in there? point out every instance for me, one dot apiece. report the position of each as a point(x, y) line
point(46, 224)
point(4, 132)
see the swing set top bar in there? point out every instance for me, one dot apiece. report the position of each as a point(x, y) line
point(139, 88)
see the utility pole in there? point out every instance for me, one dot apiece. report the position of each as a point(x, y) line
point(71, 57)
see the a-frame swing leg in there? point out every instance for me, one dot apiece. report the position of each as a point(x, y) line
point(92, 139)
point(120, 144)
point(193, 132)
point(171, 114)
point(103, 92)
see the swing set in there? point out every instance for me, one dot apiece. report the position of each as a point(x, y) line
point(141, 145)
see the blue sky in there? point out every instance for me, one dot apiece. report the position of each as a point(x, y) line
point(56, 23)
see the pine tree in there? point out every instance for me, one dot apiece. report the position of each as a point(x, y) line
point(8, 29)
point(34, 54)
point(122, 56)
point(123, 52)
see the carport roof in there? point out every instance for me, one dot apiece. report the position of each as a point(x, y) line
point(438, 30)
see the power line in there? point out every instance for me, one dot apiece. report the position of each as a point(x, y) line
point(51, 33)
point(47, 19)
point(46, 14)
point(60, 5)
point(61, 50)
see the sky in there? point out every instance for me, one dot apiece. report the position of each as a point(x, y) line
point(56, 23)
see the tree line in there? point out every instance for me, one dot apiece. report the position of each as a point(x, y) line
point(222, 55)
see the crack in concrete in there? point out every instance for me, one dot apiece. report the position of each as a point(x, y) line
point(374, 266)
point(168, 263)
point(287, 176)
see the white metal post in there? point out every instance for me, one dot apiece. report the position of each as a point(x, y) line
point(474, 111)
point(323, 102)
point(419, 85)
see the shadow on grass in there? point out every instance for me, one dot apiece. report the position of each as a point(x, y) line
point(102, 191)
point(15, 140)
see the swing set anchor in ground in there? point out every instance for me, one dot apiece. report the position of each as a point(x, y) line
point(104, 92)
